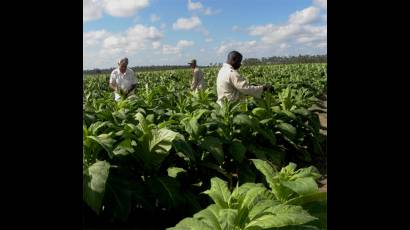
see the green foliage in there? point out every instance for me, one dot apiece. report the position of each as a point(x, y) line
point(159, 149)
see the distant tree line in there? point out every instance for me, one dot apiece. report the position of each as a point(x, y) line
point(247, 61)
point(286, 60)
point(138, 69)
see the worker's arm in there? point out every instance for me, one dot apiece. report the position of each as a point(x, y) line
point(133, 84)
point(112, 83)
point(244, 87)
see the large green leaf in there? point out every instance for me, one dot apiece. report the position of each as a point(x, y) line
point(191, 224)
point(161, 141)
point(289, 114)
point(155, 146)
point(253, 196)
point(94, 183)
point(210, 216)
point(267, 170)
point(240, 192)
point(105, 141)
point(249, 200)
point(259, 209)
point(219, 192)
point(95, 127)
point(227, 218)
point(244, 120)
point(282, 193)
point(313, 197)
point(302, 186)
point(259, 112)
point(214, 146)
point(124, 148)
point(281, 215)
point(287, 129)
point(237, 150)
point(191, 123)
point(143, 123)
point(302, 111)
point(306, 172)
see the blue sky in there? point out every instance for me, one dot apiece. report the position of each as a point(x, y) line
point(170, 32)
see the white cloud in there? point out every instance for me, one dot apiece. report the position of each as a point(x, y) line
point(93, 9)
point(274, 34)
point(145, 33)
point(203, 30)
point(321, 3)
point(94, 38)
point(304, 16)
point(240, 46)
point(202, 50)
point(102, 48)
point(124, 8)
point(168, 49)
point(186, 23)
point(131, 40)
point(197, 6)
point(184, 43)
point(322, 45)
point(156, 45)
point(261, 30)
point(284, 46)
point(297, 29)
point(210, 11)
point(154, 18)
point(209, 39)
point(181, 44)
point(163, 25)
point(255, 49)
point(194, 5)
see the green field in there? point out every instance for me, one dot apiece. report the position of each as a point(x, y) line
point(179, 157)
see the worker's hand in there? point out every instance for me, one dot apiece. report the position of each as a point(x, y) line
point(268, 87)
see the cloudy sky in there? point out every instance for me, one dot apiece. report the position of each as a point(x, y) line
point(171, 32)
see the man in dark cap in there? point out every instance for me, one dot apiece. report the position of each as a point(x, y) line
point(198, 81)
point(231, 86)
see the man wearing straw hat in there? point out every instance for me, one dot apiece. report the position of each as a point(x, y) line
point(123, 80)
point(198, 81)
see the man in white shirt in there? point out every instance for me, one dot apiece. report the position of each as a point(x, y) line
point(122, 80)
point(198, 81)
point(230, 85)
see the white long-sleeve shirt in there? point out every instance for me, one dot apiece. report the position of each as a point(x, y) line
point(123, 81)
point(230, 85)
point(198, 81)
